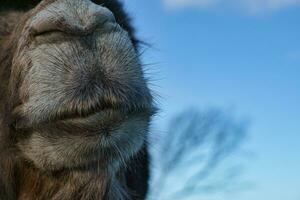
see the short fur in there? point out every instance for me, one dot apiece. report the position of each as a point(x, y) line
point(74, 113)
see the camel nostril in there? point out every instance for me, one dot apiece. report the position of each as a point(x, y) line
point(101, 15)
point(63, 17)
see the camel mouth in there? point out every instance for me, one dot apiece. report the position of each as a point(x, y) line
point(104, 117)
point(107, 115)
point(102, 122)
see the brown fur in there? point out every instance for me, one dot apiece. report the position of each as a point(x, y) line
point(20, 177)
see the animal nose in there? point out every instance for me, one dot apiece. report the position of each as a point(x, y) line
point(72, 17)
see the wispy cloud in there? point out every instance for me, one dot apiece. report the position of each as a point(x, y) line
point(251, 6)
point(293, 56)
point(189, 3)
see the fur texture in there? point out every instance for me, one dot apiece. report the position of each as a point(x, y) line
point(75, 107)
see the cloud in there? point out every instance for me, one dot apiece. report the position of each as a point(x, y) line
point(189, 3)
point(293, 56)
point(251, 6)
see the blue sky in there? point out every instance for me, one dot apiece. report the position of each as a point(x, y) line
point(243, 55)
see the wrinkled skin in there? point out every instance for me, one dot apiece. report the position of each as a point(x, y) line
point(75, 105)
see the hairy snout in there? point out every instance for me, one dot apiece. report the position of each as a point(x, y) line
point(75, 17)
point(75, 107)
point(79, 61)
